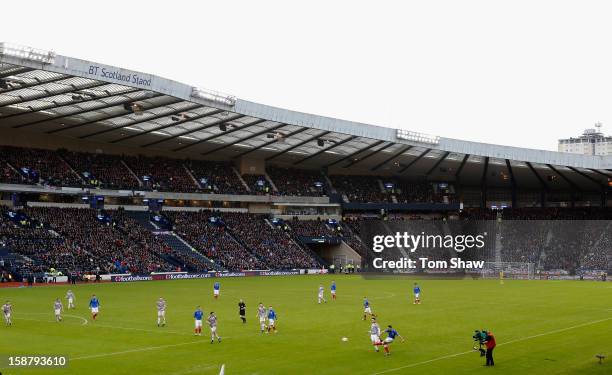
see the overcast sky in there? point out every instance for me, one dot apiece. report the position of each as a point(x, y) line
point(521, 73)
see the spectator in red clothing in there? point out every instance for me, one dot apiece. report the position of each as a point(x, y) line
point(490, 344)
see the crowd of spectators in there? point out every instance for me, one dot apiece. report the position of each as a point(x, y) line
point(162, 174)
point(37, 166)
point(360, 189)
point(413, 192)
point(258, 184)
point(312, 228)
point(271, 244)
point(216, 177)
point(297, 182)
point(213, 240)
point(97, 246)
point(101, 170)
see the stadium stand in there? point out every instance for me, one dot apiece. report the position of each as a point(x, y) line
point(297, 183)
point(101, 170)
point(37, 166)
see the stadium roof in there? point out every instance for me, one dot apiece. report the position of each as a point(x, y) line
point(47, 93)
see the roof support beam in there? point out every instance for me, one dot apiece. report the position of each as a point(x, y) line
point(110, 117)
point(369, 155)
point(601, 173)
point(298, 145)
point(325, 150)
point(199, 128)
point(80, 112)
point(483, 182)
point(244, 139)
point(437, 164)
point(414, 161)
point(458, 173)
point(353, 154)
point(543, 183)
point(511, 173)
point(270, 142)
point(173, 123)
point(258, 121)
point(395, 155)
point(73, 103)
point(593, 180)
point(37, 82)
point(512, 182)
point(45, 94)
point(484, 178)
point(15, 72)
point(564, 177)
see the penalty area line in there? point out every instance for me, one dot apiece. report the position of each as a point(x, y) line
point(502, 344)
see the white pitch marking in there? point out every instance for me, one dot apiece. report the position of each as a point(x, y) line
point(504, 343)
point(78, 317)
point(137, 350)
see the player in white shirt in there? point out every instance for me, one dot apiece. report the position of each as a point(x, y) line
point(375, 334)
point(212, 323)
point(161, 312)
point(58, 308)
point(70, 298)
point(7, 310)
point(262, 314)
point(321, 292)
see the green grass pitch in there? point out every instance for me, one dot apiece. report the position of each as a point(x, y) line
point(542, 327)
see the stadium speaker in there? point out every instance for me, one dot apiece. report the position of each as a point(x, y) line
point(223, 127)
point(3, 84)
point(320, 142)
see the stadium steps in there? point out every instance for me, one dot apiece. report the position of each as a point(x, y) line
point(180, 245)
point(241, 180)
point(308, 250)
point(243, 244)
point(195, 181)
point(70, 167)
point(142, 217)
point(269, 179)
point(132, 172)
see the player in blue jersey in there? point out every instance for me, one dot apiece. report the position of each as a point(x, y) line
point(271, 320)
point(197, 315)
point(333, 290)
point(391, 335)
point(216, 289)
point(94, 306)
point(417, 294)
point(367, 309)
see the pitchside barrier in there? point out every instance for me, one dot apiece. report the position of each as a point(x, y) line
point(209, 275)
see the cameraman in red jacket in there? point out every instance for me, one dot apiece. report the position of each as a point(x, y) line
point(490, 344)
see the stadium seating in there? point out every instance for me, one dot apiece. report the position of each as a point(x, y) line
point(36, 166)
point(101, 170)
point(297, 183)
point(162, 174)
point(361, 189)
point(216, 177)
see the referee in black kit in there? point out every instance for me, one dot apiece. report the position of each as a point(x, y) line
point(242, 310)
